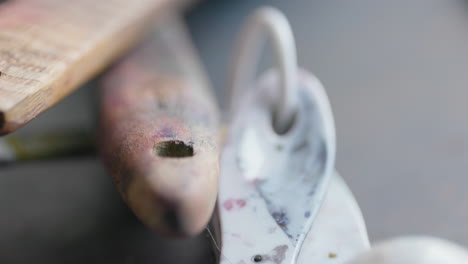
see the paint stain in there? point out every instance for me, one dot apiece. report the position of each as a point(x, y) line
point(311, 192)
point(230, 204)
point(281, 218)
point(277, 255)
point(307, 214)
point(331, 255)
point(240, 203)
point(166, 132)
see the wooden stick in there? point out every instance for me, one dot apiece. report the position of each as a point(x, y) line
point(159, 133)
point(49, 47)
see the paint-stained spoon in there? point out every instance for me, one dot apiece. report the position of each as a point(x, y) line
point(158, 133)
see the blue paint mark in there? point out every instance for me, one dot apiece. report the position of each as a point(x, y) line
point(166, 132)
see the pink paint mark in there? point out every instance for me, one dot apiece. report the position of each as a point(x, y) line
point(230, 204)
point(166, 132)
point(241, 203)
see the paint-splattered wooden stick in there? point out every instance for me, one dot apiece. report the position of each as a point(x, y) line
point(159, 133)
point(49, 47)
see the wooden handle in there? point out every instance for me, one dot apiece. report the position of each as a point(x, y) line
point(49, 47)
point(159, 133)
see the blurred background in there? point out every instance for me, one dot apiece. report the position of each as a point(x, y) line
point(396, 75)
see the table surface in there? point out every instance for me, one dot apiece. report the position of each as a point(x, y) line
point(395, 75)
